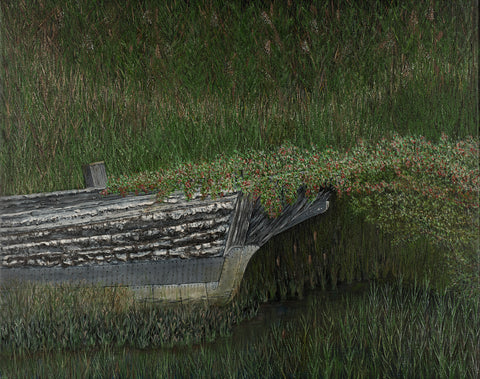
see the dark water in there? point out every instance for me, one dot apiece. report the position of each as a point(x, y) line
point(272, 313)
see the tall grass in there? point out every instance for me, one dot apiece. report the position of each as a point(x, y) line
point(340, 247)
point(46, 318)
point(387, 331)
point(144, 86)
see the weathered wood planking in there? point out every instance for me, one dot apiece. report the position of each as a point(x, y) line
point(81, 228)
point(175, 250)
point(95, 175)
point(262, 228)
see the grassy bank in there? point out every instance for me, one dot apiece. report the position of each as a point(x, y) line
point(147, 86)
point(388, 331)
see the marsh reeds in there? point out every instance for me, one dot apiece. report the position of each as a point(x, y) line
point(41, 317)
point(340, 247)
point(387, 330)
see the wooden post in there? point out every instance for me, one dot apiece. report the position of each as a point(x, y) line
point(95, 175)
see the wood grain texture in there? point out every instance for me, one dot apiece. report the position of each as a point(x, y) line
point(83, 227)
point(95, 175)
point(240, 222)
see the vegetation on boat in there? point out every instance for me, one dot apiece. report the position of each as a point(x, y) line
point(410, 187)
point(247, 95)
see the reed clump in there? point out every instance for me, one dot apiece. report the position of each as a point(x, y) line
point(42, 317)
point(341, 247)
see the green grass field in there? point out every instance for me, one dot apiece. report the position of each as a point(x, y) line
point(148, 86)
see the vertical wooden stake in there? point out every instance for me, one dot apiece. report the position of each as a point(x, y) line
point(95, 175)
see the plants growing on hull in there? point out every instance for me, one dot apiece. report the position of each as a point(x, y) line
point(443, 172)
point(411, 188)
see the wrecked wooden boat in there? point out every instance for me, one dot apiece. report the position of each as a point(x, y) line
point(177, 250)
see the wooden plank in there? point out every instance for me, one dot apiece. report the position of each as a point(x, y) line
point(240, 222)
point(47, 199)
point(112, 229)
